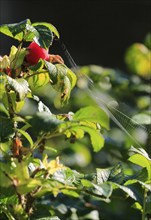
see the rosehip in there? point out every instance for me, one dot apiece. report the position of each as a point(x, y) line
point(35, 52)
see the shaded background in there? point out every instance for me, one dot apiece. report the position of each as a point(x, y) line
point(94, 31)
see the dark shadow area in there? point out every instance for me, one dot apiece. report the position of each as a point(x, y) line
point(94, 31)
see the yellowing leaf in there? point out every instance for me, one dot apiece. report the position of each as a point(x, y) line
point(5, 62)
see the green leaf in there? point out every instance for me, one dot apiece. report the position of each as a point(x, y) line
point(114, 174)
point(93, 114)
point(38, 80)
point(48, 25)
point(72, 77)
point(148, 204)
point(138, 206)
point(67, 176)
point(53, 72)
point(65, 89)
point(20, 169)
point(5, 181)
point(143, 162)
point(102, 175)
point(70, 193)
point(12, 54)
point(28, 185)
point(138, 60)
point(27, 136)
point(117, 174)
point(132, 181)
point(43, 108)
point(2, 86)
point(96, 138)
point(76, 131)
point(127, 190)
point(16, 57)
point(86, 183)
point(18, 106)
point(15, 30)
point(3, 111)
point(20, 86)
point(61, 72)
point(4, 62)
point(104, 189)
point(31, 33)
point(5, 210)
point(44, 122)
point(42, 35)
point(49, 218)
point(140, 151)
point(62, 80)
point(38, 67)
point(6, 129)
point(45, 37)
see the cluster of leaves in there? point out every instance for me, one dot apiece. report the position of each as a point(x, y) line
point(14, 65)
point(34, 184)
point(23, 137)
point(36, 178)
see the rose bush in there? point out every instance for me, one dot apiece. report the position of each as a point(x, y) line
point(34, 183)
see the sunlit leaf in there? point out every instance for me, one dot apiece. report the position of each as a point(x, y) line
point(138, 59)
point(67, 176)
point(49, 218)
point(70, 193)
point(114, 174)
point(72, 77)
point(141, 161)
point(100, 190)
point(16, 57)
point(102, 174)
point(19, 106)
point(52, 71)
point(20, 86)
point(15, 30)
point(28, 185)
point(132, 181)
point(86, 183)
point(140, 151)
point(138, 206)
point(48, 25)
point(96, 138)
point(44, 122)
point(93, 114)
point(45, 37)
point(6, 182)
point(5, 62)
point(38, 80)
point(126, 190)
point(43, 108)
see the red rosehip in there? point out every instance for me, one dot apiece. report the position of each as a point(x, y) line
point(35, 52)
